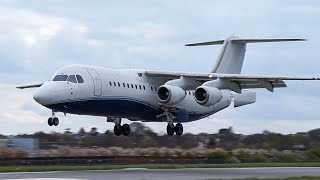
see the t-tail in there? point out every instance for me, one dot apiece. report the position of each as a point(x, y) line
point(231, 56)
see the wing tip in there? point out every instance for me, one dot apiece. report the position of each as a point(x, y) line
point(30, 86)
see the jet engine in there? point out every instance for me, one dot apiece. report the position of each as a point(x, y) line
point(170, 95)
point(207, 96)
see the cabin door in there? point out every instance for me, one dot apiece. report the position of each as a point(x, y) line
point(96, 82)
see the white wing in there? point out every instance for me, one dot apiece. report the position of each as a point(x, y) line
point(30, 86)
point(242, 81)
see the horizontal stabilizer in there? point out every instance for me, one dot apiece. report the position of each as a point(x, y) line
point(206, 43)
point(243, 41)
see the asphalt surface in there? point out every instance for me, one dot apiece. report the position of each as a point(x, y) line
point(168, 174)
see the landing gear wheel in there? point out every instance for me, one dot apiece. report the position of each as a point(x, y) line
point(125, 129)
point(178, 129)
point(170, 130)
point(50, 121)
point(117, 129)
point(55, 121)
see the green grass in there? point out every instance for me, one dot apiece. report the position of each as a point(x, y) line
point(149, 166)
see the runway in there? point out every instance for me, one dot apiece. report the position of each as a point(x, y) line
point(169, 174)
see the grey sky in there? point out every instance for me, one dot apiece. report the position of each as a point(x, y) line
point(38, 37)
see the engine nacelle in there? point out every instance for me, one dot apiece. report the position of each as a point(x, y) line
point(245, 98)
point(207, 96)
point(170, 95)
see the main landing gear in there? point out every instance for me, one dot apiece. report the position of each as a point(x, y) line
point(118, 129)
point(124, 129)
point(171, 128)
point(53, 120)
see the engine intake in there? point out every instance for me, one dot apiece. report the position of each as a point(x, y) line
point(170, 95)
point(207, 96)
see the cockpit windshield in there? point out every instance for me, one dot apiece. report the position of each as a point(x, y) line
point(60, 78)
point(69, 78)
point(72, 78)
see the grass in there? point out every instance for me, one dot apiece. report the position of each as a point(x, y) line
point(290, 178)
point(150, 166)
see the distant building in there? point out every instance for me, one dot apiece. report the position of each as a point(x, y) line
point(226, 132)
point(31, 145)
point(4, 143)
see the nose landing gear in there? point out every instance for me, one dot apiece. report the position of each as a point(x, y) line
point(53, 120)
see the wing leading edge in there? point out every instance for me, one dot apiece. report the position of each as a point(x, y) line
point(30, 86)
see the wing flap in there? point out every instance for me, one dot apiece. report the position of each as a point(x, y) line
point(252, 84)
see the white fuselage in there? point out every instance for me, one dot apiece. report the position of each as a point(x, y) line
point(123, 93)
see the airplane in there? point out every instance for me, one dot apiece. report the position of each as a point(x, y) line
point(157, 96)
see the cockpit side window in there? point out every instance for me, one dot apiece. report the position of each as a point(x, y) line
point(60, 78)
point(72, 78)
point(79, 78)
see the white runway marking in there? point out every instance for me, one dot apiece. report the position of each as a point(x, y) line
point(168, 174)
point(134, 169)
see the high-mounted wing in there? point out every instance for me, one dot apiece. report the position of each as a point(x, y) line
point(239, 81)
point(30, 86)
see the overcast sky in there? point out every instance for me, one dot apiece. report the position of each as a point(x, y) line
point(38, 37)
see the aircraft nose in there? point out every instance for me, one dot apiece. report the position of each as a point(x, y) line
point(43, 97)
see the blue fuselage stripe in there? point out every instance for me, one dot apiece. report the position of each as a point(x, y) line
point(115, 106)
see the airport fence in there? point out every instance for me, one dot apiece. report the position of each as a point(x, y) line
point(105, 160)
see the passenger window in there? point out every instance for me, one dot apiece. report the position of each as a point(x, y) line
point(140, 86)
point(72, 78)
point(118, 84)
point(128, 85)
point(110, 83)
point(190, 93)
point(144, 88)
point(155, 88)
point(80, 79)
point(131, 85)
point(151, 88)
point(124, 85)
point(136, 87)
point(114, 83)
point(60, 78)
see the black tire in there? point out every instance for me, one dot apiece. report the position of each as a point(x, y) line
point(170, 130)
point(50, 121)
point(178, 129)
point(55, 121)
point(125, 129)
point(117, 129)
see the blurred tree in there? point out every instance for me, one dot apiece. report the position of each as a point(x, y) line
point(82, 132)
point(94, 131)
point(315, 134)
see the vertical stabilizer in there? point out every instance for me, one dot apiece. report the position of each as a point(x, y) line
point(231, 56)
